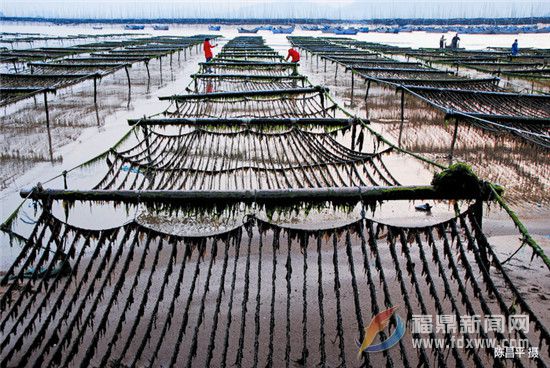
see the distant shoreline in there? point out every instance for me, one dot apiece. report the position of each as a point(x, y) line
point(235, 21)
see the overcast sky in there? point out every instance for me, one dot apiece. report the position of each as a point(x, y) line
point(334, 9)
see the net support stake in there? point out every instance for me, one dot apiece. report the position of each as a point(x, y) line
point(147, 68)
point(352, 85)
point(95, 91)
point(402, 117)
point(48, 124)
point(453, 142)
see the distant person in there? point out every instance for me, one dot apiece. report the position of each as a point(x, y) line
point(442, 42)
point(294, 57)
point(207, 46)
point(515, 48)
point(454, 41)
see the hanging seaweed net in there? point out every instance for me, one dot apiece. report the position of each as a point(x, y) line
point(244, 159)
point(133, 295)
point(258, 293)
point(229, 83)
point(239, 67)
point(310, 104)
point(481, 102)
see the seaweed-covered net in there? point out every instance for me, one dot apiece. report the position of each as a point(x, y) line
point(257, 68)
point(498, 104)
point(243, 160)
point(255, 295)
point(227, 83)
point(480, 102)
point(260, 293)
point(468, 84)
point(283, 105)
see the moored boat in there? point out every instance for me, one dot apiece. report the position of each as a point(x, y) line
point(283, 30)
point(133, 27)
point(345, 31)
point(245, 30)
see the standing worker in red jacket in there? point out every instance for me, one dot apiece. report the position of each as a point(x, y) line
point(295, 58)
point(208, 52)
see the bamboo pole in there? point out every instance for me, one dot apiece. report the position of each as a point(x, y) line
point(455, 132)
point(378, 193)
point(402, 117)
point(244, 122)
point(224, 95)
point(48, 124)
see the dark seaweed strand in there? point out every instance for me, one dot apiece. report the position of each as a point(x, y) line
point(475, 286)
point(71, 352)
point(230, 309)
point(340, 331)
point(129, 299)
point(433, 292)
point(185, 318)
point(194, 343)
point(91, 314)
point(19, 277)
point(423, 358)
point(39, 338)
point(372, 286)
point(447, 290)
point(275, 247)
point(320, 297)
point(23, 314)
point(54, 339)
point(357, 304)
point(496, 262)
point(141, 309)
point(29, 244)
point(37, 315)
point(154, 314)
point(244, 309)
point(288, 266)
point(17, 307)
point(186, 254)
point(212, 340)
point(414, 281)
point(490, 286)
point(305, 351)
point(461, 288)
point(258, 302)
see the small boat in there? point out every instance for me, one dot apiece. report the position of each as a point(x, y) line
point(214, 28)
point(97, 27)
point(265, 28)
point(161, 27)
point(133, 27)
point(311, 28)
point(282, 30)
point(363, 29)
point(244, 30)
point(345, 31)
